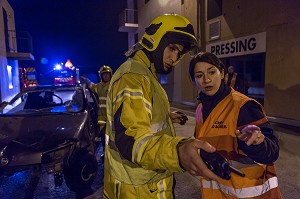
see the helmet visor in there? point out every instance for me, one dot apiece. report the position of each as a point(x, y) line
point(189, 43)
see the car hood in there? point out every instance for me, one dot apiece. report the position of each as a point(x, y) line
point(40, 132)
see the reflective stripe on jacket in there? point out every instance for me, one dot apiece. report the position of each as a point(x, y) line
point(113, 188)
point(219, 130)
point(138, 112)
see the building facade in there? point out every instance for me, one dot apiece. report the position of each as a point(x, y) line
point(259, 38)
point(14, 46)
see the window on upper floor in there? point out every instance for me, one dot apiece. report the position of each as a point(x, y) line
point(214, 9)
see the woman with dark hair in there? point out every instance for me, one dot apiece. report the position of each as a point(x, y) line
point(237, 127)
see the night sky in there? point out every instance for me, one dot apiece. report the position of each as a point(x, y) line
point(84, 31)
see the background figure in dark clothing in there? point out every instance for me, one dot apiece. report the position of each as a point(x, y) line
point(237, 81)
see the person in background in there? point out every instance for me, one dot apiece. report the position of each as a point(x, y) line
point(142, 151)
point(236, 81)
point(237, 127)
point(105, 73)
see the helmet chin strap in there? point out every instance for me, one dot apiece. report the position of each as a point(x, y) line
point(156, 57)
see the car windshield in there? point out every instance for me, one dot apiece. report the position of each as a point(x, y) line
point(45, 99)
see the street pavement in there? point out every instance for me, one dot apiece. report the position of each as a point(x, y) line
point(23, 185)
point(188, 187)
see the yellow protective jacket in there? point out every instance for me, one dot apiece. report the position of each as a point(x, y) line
point(101, 89)
point(260, 181)
point(140, 152)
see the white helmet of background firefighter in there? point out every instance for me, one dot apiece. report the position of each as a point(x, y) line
point(164, 30)
point(105, 69)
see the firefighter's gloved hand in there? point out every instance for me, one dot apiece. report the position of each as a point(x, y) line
point(191, 161)
point(84, 80)
point(179, 117)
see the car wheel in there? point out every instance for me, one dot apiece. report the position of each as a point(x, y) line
point(80, 170)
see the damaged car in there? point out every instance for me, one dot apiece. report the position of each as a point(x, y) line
point(51, 128)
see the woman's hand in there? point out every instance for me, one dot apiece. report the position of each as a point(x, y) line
point(251, 135)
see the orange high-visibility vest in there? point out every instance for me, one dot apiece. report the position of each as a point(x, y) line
point(219, 130)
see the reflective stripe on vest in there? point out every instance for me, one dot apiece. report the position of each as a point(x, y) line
point(102, 106)
point(101, 122)
point(246, 192)
point(107, 140)
point(102, 102)
point(156, 127)
point(103, 98)
point(162, 188)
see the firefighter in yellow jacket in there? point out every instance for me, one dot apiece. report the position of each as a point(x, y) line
point(237, 127)
point(142, 151)
point(105, 73)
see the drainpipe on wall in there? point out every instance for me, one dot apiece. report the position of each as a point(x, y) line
point(201, 11)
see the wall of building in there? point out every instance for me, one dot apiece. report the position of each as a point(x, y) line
point(281, 22)
point(282, 86)
point(184, 90)
point(7, 91)
point(151, 9)
point(131, 35)
point(3, 60)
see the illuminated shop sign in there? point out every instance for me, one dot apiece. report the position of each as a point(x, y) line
point(239, 46)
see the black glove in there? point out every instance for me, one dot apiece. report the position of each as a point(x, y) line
point(183, 117)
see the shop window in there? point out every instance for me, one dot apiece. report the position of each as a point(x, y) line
point(254, 70)
point(252, 67)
